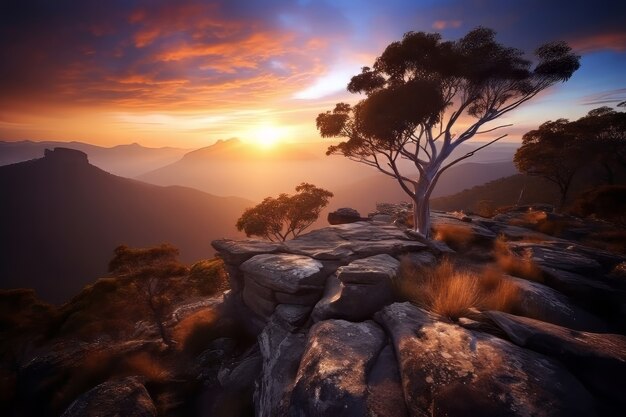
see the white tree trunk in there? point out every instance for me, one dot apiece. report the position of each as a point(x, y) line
point(421, 205)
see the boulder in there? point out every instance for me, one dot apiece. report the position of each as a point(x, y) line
point(120, 397)
point(358, 290)
point(292, 316)
point(53, 376)
point(332, 377)
point(384, 386)
point(281, 352)
point(451, 371)
point(344, 215)
point(285, 272)
point(371, 270)
point(597, 359)
point(240, 376)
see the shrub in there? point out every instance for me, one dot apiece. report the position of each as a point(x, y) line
point(209, 276)
point(452, 292)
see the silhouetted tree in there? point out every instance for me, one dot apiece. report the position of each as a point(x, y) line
point(293, 213)
point(554, 152)
point(558, 150)
point(604, 131)
point(425, 97)
point(151, 271)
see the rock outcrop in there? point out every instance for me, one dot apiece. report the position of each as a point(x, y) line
point(344, 215)
point(124, 397)
point(333, 340)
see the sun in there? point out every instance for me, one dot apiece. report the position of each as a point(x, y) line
point(267, 136)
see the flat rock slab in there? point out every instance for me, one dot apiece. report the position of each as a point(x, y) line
point(236, 252)
point(353, 240)
point(285, 272)
point(450, 371)
point(541, 302)
point(478, 232)
point(598, 359)
point(552, 256)
point(332, 378)
point(123, 397)
point(371, 270)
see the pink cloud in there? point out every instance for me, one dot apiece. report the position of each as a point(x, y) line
point(446, 24)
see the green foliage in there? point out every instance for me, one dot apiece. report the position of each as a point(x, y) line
point(293, 213)
point(152, 272)
point(130, 261)
point(209, 276)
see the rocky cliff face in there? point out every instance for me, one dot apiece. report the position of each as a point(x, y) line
point(316, 327)
point(333, 340)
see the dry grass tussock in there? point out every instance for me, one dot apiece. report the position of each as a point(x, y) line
point(194, 332)
point(541, 221)
point(512, 264)
point(452, 292)
point(457, 237)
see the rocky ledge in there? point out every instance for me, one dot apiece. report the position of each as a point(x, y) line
point(334, 340)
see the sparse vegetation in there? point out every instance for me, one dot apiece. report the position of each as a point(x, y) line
point(284, 217)
point(519, 266)
point(451, 291)
point(209, 276)
point(457, 237)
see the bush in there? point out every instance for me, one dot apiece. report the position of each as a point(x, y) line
point(452, 292)
point(209, 276)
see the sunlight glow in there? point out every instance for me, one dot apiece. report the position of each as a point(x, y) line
point(267, 136)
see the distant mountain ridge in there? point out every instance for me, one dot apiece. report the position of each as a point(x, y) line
point(234, 167)
point(61, 218)
point(126, 160)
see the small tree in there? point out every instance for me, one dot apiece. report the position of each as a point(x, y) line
point(293, 213)
point(557, 150)
point(425, 97)
point(554, 152)
point(604, 130)
point(151, 271)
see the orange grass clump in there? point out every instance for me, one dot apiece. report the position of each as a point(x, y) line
point(454, 236)
point(519, 266)
point(452, 292)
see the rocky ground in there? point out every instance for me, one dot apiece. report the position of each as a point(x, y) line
point(316, 326)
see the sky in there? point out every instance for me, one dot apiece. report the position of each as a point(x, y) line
point(186, 73)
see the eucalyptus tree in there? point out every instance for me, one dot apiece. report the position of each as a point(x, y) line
point(424, 97)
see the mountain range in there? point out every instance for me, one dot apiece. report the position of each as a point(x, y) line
point(126, 160)
point(234, 167)
point(61, 218)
